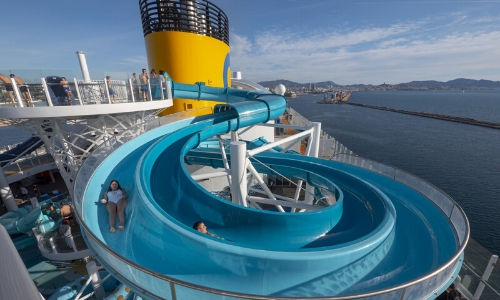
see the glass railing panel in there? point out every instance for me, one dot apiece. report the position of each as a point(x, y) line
point(431, 192)
point(475, 262)
point(158, 287)
point(183, 292)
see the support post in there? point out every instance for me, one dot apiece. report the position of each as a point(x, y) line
point(78, 91)
point(238, 172)
point(314, 141)
point(53, 245)
point(93, 270)
point(169, 89)
point(6, 193)
point(486, 276)
point(149, 91)
point(161, 90)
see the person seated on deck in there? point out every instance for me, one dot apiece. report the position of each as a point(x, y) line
point(200, 226)
point(116, 199)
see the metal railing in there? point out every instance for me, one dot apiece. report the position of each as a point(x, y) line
point(199, 16)
point(87, 92)
point(328, 146)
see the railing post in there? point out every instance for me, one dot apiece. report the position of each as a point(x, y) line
point(107, 90)
point(93, 270)
point(169, 89)
point(73, 245)
point(161, 90)
point(46, 91)
point(486, 276)
point(314, 141)
point(149, 89)
point(131, 89)
point(78, 91)
point(53, 245)
point(16, 92)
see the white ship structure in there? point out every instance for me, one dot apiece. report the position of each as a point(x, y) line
point(202, 146)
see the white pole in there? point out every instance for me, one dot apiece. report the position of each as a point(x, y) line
point(46, 91)
point(149, 89)
point(238, 172)
point(131, 89)
point(107, 90)
point(83, 66)
point(161, 90)
point(486, 276)
point(16, 92)
point(78, 91)
point(169, 90)
point(93, 270)
point(314, 140)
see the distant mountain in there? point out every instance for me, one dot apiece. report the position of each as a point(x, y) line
point(291, 84)
point(456, 83)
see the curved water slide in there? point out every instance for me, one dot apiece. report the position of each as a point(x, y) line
point(381, 238)
point(24, 219)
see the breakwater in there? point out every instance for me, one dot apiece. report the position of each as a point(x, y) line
point(431, 115)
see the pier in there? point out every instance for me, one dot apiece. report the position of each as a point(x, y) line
point(431, 115)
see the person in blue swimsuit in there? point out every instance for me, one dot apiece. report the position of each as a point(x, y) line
point(143, 78)
point(66, 88)
point(116, 199)
point(110, 89)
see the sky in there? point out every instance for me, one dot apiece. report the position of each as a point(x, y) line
point(345, 41)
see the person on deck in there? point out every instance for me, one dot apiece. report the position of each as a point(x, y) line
point(66, 88)
point(24, 193)
point(143, 78)
point(65, 231)
point(111, 91)
point(8, 87)
point(116, 199)
point(23, 89)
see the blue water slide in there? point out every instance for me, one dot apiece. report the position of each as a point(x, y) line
point(24, 219)
point(379, 233)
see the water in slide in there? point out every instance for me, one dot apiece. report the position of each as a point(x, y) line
point(379, 234)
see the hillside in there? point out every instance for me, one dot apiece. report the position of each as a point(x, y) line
point(455, 83)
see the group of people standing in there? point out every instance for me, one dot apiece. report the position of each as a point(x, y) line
point(23, 89)
point(141, 88)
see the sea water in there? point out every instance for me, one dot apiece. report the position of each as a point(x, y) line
point(462, 160)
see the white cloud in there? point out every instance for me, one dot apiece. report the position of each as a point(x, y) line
point(395, 54)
